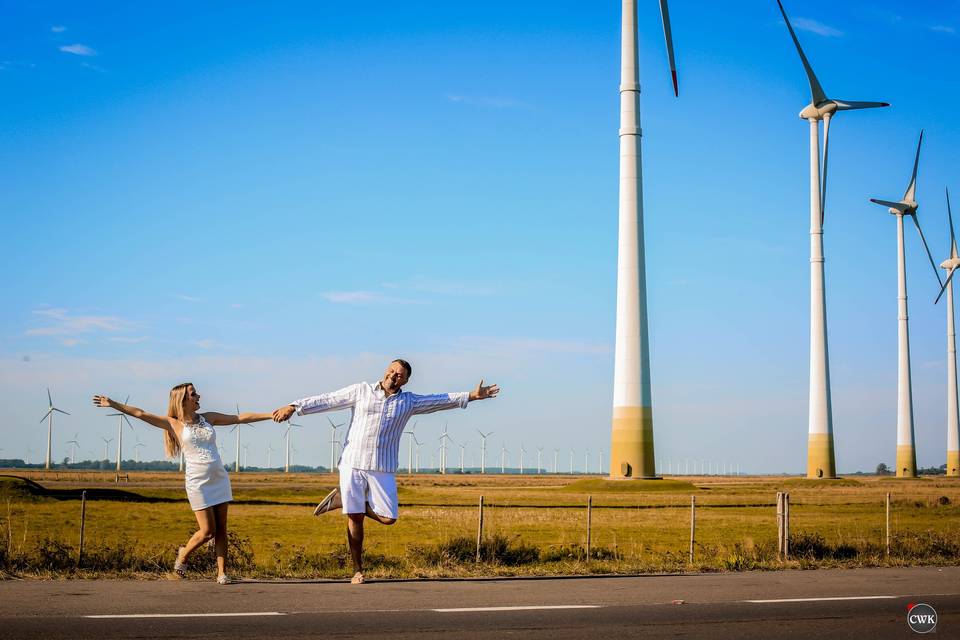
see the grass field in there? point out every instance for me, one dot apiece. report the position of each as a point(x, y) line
point(533, 524)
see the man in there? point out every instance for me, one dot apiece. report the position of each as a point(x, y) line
point(369, 460)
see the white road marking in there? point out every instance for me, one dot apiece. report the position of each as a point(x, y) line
point(522, 608)
point(189, 615)
point(826, 599)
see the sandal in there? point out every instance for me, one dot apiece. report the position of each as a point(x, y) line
point(180, 566)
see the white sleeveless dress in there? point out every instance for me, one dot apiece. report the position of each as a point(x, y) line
point(207, 481)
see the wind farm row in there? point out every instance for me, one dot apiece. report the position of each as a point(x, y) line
point(445, 454)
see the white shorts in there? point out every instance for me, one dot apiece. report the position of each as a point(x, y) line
point(359, 487)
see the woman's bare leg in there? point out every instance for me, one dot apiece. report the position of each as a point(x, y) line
point(207, 522)
point(220, 512)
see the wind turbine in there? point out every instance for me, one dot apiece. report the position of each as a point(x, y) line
point(73, 449)
point(246, 454)
point(106, 450)
point(539, 455)
point(48, 416)
point(820, 457)
point(136, 448)
point(632, 428)
point(571, 460)
point(410, 448)
point(907, 206)
point(601, 461)
point(586, 461)
point(270, 451)
point(483, 450)
point(443, 449)
point(556, 454)
point(287, 435)
point(236, 427)
point(953, 416)
point(333, 444)
point(419, 444)
point(522, 451)
point(503, 458)
point(462, 447)
point(121, 418)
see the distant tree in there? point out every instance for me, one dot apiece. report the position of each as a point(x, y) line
point(883, 469)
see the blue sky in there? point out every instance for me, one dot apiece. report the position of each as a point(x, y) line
point(273, 201)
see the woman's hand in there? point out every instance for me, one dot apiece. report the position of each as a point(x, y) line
point(101, 401)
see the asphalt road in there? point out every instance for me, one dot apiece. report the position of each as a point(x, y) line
point(860, 603)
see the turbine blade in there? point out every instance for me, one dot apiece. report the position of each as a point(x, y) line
point(911, 193)
point(953, 237)
point(899, 206)
point(823, 181)
point(49, 411)
point(668, 36)
point(933, 265)
point(49, 399)
point(127, 420)
point(850, 105)
point(816, 91)
point(945, 285)
point(60, 411)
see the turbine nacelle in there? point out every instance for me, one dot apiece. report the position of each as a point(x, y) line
point(826, 108)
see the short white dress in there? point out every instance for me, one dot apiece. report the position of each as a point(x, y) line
point(207, 481)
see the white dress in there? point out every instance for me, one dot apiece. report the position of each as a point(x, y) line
point(207, 481)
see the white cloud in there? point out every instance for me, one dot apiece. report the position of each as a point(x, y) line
point(186, 298)
point(60, 322)
point(58, 28)
point(78, 49)
point(127, 340)
point(206, 343)
point(808, 24)
point(942, 28)
point(361, 297)
point(486, 101)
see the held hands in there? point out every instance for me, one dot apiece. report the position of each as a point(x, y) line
point(101, 401)
point(482, 392)
point(283, 413)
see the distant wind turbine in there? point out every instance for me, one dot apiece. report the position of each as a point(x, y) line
point(288, 434)
point(237, 428)
point(73, 449)
point(136, 448)
point(503, 458)
point(907, 206)
point(953, 415)
point(270, 451)
point(820, 457)
point(556, 454)
point(410, 448)
point(522, 451)
point(333, 444)
point(48, 416)
point(539, 457)
point(106, 445)
point(443, 449)
point(483, 450)
point(121, 418)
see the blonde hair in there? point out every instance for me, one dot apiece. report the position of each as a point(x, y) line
point(175, 410)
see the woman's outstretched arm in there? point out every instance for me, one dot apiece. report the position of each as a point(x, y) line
point(224, 419)
point(161, 422)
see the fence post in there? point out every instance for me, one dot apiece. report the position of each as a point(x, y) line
point(480, 529)
point(589, 523)
point(779, 525)
point(888, 523)
point(693, 523)
point(83, 521)
point(786, 526)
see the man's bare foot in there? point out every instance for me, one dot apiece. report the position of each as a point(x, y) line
point(358, 578)
point(330, 502)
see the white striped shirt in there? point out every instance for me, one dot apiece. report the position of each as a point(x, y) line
point(372, 442)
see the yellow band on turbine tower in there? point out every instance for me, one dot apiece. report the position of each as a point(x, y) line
point(631, 447)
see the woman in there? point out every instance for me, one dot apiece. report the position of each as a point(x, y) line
point(208, 486)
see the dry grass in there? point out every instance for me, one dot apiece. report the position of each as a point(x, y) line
point(533, 525)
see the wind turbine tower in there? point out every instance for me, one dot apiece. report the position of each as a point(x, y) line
point(820, 457)
point(953, 416)
point(334, 443)
point(121, 418)
point(483, 450)
point(906, 449)
point(631, 447)
point(73, 449)
point(48, 416)
point(288, 434)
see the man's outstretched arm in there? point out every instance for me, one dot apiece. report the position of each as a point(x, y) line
point(340, 399)
point(444, 401)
